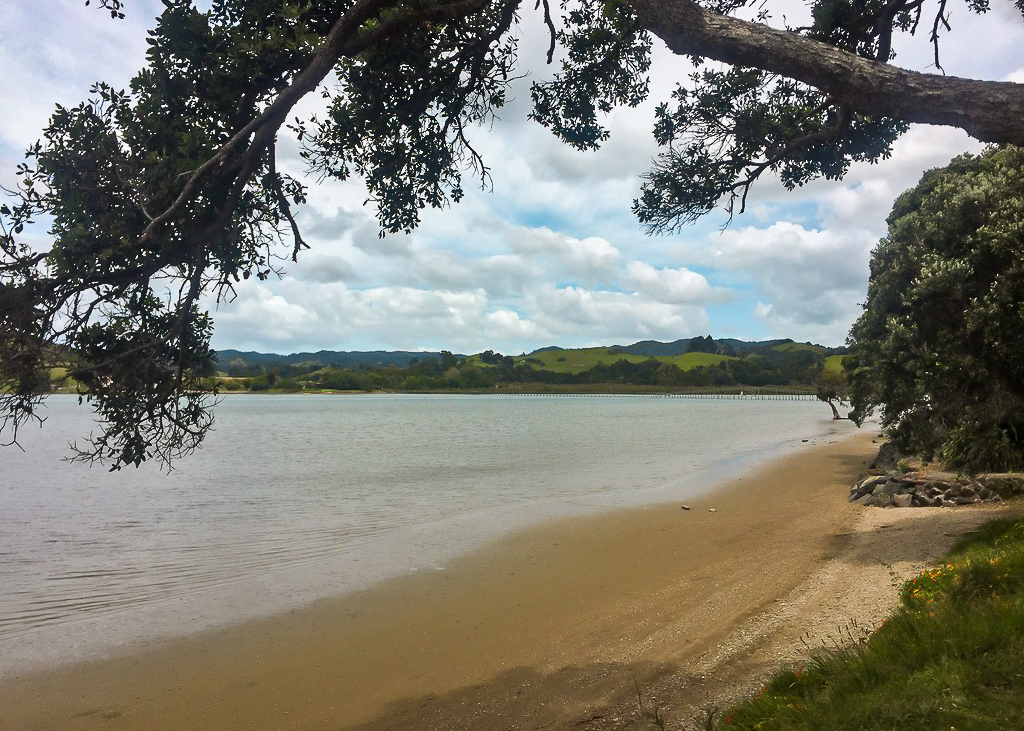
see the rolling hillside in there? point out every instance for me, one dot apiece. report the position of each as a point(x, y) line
point(577, 361)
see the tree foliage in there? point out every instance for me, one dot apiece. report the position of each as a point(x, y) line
point(832, 387)
point(937, 349)
point(168, 191)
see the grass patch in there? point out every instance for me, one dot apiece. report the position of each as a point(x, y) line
point(950, 657)
point(834, 363)
point(583, 359)
point(798, 347)
point(61, 381)
point(577, 361)
point(686, 361)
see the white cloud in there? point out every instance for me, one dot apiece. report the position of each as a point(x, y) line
point(260, 316)
point(805, 280)
point(588, 260)
point(612, 316)
point(670, 286)
point(508, 326)
point(55, 59)
point(324, 268)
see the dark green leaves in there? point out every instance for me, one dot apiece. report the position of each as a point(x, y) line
point(401, 113)
point(114, 6)
point(608, 58)
point(731, 127)
point(152, 405)
point(138, 235)
point(937, 348)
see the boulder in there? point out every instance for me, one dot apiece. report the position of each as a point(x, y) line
point(867, 486)
point(887, 489)
point(961, 491)
point(884, 486)
point(920, 501)
point(1006, 483)
point(887, 457)
point(902, 500)
point(870, 483)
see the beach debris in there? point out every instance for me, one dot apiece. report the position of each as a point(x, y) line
point(712, 510)
point(685, 507)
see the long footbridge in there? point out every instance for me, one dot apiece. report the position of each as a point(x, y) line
point(753, 394)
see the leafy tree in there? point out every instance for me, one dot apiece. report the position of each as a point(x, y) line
point(938, 348)
point(701, 344)
point(473, 377)
point(448, 361)
point(832, 387)
point(169, 190)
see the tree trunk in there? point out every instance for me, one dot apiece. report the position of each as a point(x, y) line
point(989, 111)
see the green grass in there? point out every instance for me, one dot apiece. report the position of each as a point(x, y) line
point(951, 657)
point(691, 360)
point(577, 361)
point(834, 363)
point(61, 381)
point(791, 347)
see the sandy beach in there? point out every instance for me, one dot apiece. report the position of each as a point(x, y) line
point(554, 628)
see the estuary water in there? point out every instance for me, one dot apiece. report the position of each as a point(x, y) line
point(295, 498)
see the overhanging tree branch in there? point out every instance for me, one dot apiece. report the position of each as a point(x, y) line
point(990, 111)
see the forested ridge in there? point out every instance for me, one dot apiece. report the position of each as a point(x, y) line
point(698, 362)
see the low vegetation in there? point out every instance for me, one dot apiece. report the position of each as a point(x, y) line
point(950, 657)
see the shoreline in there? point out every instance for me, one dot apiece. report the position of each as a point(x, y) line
point(537, 628)
point(632, 472)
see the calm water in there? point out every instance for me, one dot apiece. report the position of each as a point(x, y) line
point(299, 497)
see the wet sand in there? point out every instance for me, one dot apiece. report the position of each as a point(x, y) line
point(540, 630)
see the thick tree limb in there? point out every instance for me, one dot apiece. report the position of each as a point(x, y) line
point(989, 111)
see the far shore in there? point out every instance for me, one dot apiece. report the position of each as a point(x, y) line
point(553, 627)
point(545, 389)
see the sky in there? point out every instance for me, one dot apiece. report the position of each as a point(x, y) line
point(550, 253)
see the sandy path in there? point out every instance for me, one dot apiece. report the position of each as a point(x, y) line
point(548, 629)
point(841, 602)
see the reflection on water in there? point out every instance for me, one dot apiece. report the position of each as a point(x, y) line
point(300, 497)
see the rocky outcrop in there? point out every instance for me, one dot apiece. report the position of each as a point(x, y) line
point(899, 481)
point(898, 490)
point(887, 457)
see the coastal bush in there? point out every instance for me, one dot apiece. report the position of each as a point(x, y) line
point(936, 349)
point(951, 656)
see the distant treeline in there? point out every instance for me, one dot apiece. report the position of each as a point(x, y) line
point(768, 366)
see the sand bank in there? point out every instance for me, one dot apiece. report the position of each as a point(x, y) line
point(546, 629)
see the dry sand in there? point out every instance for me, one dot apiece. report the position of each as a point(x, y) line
point(553, 628)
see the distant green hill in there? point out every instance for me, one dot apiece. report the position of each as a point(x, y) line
point(687, 363)
point(341, 359)
point(683, 346)
point(685, 353)
point(579, 360)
